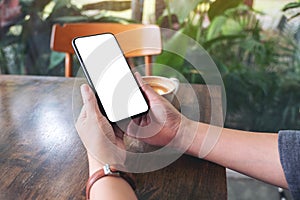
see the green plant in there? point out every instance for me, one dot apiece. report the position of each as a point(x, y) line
point(292, 6)
point(25, 45)
point(260, 78)
point(190, 16)
point(247, 45)
point(260, 68)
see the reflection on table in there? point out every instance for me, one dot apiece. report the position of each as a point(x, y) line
point(42, 156)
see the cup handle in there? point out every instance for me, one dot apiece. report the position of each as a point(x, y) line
point(176, 81)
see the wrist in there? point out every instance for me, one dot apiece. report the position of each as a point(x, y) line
point(107, 178)
point(94, 165)
point(187, 136)
point(199, 130)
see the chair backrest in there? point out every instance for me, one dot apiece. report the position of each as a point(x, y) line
point(134, 39)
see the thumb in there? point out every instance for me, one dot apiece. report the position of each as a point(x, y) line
point(83, 113)
point(150, 93)
point(89, 101)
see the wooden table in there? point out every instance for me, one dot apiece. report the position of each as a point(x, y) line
point(42, 156)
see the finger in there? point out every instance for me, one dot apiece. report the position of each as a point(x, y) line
point(82, 116)
point(135, 124)
point(91, 107)
point(90, 102)
point(88, 98)
point(118, 132)
point(85, 93)
point(150, 93)
point(132, 129)
point(139, 79)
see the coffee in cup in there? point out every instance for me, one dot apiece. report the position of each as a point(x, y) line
point(166, 87)
point(161, 90)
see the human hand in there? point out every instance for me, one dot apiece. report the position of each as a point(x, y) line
point(104, 143)
point(161, 124)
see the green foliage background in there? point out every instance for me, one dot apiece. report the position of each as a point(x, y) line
point(260, 68)
point(25, 45)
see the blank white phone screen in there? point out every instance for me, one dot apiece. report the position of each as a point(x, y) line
point(110, 74)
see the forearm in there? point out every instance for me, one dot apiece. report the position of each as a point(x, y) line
point(112, 188)
point(253, 154)
point(109, 187)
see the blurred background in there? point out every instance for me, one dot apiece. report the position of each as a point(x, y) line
point(254, 43)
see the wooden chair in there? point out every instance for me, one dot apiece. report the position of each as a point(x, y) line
point(135, 40)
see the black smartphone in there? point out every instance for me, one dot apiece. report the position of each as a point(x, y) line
point(108, 73)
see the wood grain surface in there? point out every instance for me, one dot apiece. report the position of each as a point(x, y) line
point(42, 157)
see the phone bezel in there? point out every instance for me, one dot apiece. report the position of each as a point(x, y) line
point(85, 71)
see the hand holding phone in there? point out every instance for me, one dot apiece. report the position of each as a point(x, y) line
point(108, 73)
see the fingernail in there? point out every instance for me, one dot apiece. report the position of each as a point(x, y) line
point(137, 73)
